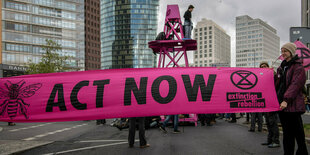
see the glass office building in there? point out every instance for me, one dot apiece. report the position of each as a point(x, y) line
point(26, 24)
point(126, 28)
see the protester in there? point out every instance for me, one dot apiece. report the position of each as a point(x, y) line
point(175, 123)
point(121, 124)
point(290, 80)
point(271, 120)
point(205, 119)
point(256, 117)
point(247, 121)
point(132, 132)
point(100, 121)
point(227, 116)
point(188, 24)
point(307, 103)
point(233, 118)
point(11, 124)
point(153, 121)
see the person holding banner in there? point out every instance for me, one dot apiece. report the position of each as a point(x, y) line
point(271, 120)
point(132, 131)
point(290, 80)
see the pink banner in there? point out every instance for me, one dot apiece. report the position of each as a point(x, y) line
point(304, 53)
point(119, 93)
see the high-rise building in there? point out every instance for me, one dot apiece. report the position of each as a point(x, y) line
point(26, 24)
point(126, 28)
point(213, 44)
point(305, 13)
point(92, 34)
point(256, 41)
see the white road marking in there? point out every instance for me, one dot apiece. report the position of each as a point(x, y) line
point(30, 127)
point(97, 141)
point(53, 132)
point(86, 148)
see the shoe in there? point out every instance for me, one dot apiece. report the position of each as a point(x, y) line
point(251, 130)
point(131, 146)
point(273, 145)
point(176, 131)
point(209, 124)
point(266, 143)
point(232, 121)
point(259, 130)
point(163, 129)
point(145, 146)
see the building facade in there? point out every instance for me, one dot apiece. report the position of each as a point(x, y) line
point(305, 13)
point(213, 44)
point(126, 28)
point(256, 41)
point(26, 24)
point(92, 34)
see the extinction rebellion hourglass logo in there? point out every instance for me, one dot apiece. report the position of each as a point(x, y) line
point(13, 93)
point(245, 80)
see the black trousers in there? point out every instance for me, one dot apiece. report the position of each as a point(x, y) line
point(259, 117)
point(292, 126)
point(204, 118)
point(272, 126)
point(132, 130)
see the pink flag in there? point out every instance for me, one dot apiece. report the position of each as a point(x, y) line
point(303, 53)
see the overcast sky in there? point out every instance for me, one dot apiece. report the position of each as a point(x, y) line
point(280, 14)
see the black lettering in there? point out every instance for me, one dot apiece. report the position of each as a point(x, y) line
point(131, 86)
point(73, 97)
point(100, 90)
point(172, 89)
point(61, 100)
point(192, 91)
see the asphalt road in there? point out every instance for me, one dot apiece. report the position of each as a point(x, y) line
point(221, 138)
point(85, 137)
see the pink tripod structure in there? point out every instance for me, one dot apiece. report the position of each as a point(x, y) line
point(174, 48)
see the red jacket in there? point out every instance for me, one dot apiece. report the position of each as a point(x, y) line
point(295, 81)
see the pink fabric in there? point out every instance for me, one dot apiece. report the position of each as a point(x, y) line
point(304, 53)
point(102, 94)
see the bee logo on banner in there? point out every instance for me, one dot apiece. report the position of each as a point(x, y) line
point(245, 80)
point(13, 93)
